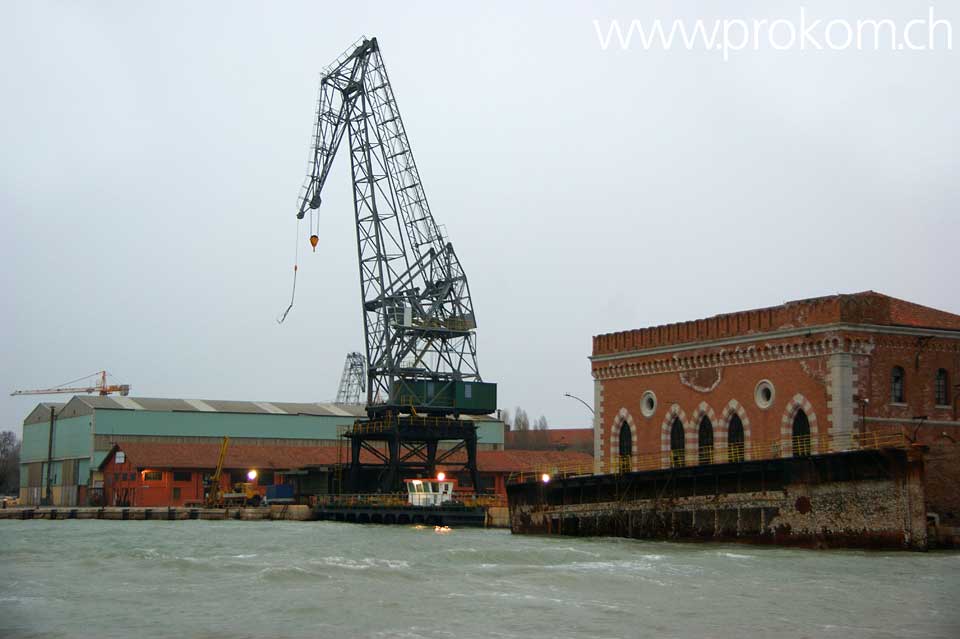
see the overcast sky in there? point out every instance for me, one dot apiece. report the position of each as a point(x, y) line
point(153, 153)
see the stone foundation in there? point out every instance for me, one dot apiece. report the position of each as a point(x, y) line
point(872, 499)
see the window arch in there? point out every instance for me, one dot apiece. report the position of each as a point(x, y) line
point(735, 440)
point(677, 444)
point(625, 445)
point(705, 442)
point(896, 385)
point(801, 434)
point(941, 388)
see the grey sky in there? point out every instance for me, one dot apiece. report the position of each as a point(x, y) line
point(152, 156)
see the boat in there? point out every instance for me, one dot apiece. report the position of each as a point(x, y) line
point(428, 501)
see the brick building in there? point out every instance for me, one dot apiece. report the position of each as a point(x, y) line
point(169, 473)
point(811, 376)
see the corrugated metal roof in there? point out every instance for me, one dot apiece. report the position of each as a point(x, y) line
point(41, 413)
point(85, 404)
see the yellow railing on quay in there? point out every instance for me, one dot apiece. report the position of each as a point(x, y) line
point(800, 446)
point(371, 499)
point(387, 424)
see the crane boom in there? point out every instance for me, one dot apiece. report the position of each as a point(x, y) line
point(418, 315)
point(100, 386)
point(214, 497)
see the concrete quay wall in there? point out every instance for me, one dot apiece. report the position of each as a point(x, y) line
point(867, 499)
point(280, 513)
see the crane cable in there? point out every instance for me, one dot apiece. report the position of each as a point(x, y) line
point(296, 259)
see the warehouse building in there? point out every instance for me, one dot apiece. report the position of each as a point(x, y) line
point(151, 474)
point(65, 462)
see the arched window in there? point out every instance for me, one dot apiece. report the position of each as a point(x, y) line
point(705, 442)
point(677, 444)
point(801, 435)
point(735, 440)
point(896, 385)
point(626, 447)
point(941, 392)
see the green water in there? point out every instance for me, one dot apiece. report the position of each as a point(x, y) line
point(291, 579)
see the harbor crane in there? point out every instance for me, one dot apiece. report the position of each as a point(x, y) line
point(418, 316)
point(353, 380)
point(100, 386)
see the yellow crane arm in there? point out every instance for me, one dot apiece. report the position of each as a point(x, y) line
point(213, 490)
point(221, 458)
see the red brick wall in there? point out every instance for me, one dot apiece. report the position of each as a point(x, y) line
point(125, 484)
point(859, 308)
point(717, 391)
point(720, 380)
point(920, 360)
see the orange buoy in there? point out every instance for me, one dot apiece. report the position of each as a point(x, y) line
point(313, 242)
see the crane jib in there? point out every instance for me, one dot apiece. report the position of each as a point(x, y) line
point(418, 316)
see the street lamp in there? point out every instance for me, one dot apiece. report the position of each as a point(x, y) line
point(589, 407)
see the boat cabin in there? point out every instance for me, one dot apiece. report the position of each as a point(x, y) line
point(429, 492)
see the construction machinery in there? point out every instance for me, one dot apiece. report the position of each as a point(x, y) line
point(418, 316)
point(100, 386)
point(353, 380)
point(241, 493)
point(213, 493)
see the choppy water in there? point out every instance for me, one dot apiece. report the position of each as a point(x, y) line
point(291, 579)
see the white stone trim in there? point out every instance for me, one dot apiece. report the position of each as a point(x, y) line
point(598, 427)
point(732, 408)
point(622, 416)
point(672, 413)
point(786, 425)
point(693, 436)
point(675, 360)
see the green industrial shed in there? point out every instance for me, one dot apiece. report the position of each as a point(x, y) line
point(86, 427)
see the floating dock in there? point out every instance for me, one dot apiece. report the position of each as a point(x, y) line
point(453, 516)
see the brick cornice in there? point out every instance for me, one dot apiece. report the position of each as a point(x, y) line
point(780, 334)
point(764, 352)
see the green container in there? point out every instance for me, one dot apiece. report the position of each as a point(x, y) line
point(476, 398)
point(467, 398)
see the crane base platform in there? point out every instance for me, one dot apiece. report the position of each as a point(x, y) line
point(412, 449)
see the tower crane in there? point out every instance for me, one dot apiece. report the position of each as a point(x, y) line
point(418, 316)
point(100, 387)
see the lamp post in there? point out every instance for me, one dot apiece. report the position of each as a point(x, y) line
point(589, 407)
point(863, 414)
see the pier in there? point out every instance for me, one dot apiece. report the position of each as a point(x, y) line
point(282, 513)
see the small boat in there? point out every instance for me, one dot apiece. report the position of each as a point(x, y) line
point(429, 501)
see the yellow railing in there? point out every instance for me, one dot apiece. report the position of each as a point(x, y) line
point(388, 423)
point(374, 499)
point(800, 446)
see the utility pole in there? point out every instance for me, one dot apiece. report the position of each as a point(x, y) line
point(48, 499)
